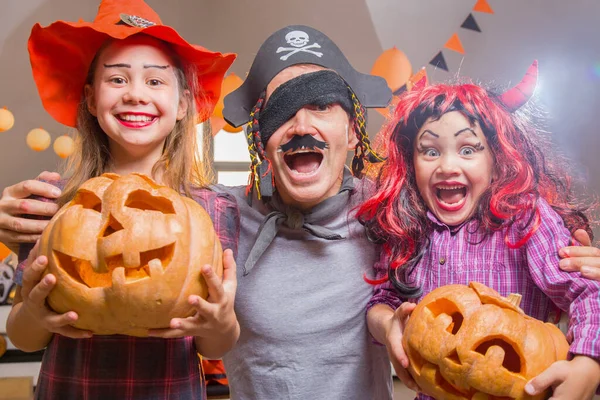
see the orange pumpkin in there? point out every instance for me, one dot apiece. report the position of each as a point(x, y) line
point(127, 254)
point(471, 343)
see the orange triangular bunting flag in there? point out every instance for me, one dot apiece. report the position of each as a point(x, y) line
point(483, 6)
point(454, 44)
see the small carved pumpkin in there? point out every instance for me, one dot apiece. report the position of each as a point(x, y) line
point(471, 343)
point(127, 253)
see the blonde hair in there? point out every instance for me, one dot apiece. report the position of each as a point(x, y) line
point(181, 163)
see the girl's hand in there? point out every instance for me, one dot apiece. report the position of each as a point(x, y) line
point(34, 292)
point(215, 315)
point(394, 346)
point(573, 380)
point(585, 259)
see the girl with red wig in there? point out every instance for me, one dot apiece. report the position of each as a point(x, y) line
point(471, 191)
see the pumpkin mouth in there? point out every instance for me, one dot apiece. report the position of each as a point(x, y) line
point(83, 272)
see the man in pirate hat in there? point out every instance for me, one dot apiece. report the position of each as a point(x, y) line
point(301, 294)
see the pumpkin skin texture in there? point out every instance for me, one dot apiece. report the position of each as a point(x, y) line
point(468, 342)
point(127, 254)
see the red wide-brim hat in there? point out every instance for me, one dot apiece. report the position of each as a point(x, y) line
point(62, 52)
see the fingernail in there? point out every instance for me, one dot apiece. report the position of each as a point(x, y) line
point(585, 270)
point(529, 389)
point(56, 192)
point(563, 253)
point(206, 269)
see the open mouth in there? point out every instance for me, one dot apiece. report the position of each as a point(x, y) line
point(303, 161)
point(136, 120)
point(451, 195)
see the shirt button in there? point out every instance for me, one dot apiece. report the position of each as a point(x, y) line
point(442, 260)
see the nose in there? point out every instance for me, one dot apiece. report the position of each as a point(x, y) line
point(448, 165)
point(136, 93)
point(302, 123)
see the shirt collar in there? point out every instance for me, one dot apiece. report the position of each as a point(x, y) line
point(452, 229)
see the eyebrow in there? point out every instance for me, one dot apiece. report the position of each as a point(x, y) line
point(455, 135)
point(435, 135)
point(122, 65)
point(466, 130)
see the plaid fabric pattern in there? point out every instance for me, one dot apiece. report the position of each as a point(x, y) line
point(455, 256)
point(126, 367)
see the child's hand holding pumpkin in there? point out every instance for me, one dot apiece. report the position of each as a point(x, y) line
point(215, 324)
point(393, 343)
point(34, 292)
point(577, 379)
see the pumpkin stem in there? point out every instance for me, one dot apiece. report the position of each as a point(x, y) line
point(514, 299)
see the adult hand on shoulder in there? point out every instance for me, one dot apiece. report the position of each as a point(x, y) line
point(585, 259)
point(215, 315)
point(13, 228)
point(573, 380)
point(34, 292)
point(394, 345)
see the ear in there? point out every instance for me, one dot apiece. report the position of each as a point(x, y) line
point(352, 137)
point(88, 90)
point(184, 102)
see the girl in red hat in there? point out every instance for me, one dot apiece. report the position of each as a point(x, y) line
point(471, 192)
point(134, 89)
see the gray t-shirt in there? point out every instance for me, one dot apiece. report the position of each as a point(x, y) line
point(301, 310)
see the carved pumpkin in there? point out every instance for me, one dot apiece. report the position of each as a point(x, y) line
point(127, 253)
point(471, 343)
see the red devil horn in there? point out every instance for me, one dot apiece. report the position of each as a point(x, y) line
point(420, 84)
point(515, 97)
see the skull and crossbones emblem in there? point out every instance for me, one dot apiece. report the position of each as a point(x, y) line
point(298, 40)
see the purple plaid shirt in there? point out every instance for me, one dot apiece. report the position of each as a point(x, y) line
point(456, 256)
point(127, 367)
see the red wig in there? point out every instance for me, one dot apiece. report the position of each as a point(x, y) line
point(525, 170)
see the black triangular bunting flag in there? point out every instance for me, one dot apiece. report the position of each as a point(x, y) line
point(471, 24)
point(400, 90)
point(439, 62)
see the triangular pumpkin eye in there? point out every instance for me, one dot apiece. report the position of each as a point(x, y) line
point(88, 200)
point(144, 200)
point(112, 226)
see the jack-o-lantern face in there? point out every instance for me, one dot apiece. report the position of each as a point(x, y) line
point(468, 343)
point(127, 253)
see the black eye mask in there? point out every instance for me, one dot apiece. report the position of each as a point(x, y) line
point(317, 89)
point(300, 142)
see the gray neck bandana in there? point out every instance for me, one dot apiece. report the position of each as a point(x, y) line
point(296, 219)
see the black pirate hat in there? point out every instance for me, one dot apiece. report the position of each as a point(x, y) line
point(300, 44)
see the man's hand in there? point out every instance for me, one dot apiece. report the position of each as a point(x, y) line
point(13, 228)
point(585, 259)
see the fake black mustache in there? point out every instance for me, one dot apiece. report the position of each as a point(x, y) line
point(303, 142)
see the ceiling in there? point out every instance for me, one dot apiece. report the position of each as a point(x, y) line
point(562, 35)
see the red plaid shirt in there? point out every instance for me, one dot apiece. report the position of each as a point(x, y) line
point(127, 367)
